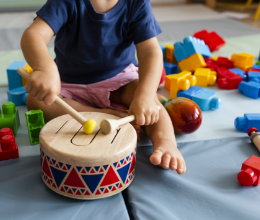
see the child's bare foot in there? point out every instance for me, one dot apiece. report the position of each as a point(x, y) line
point(167, 155)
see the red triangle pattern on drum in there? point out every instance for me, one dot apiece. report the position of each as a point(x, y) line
point(118, 165)
point(74, 180)
point(57, 165)
point(114, 188)
point(125, 162)
point(120, 186)
point(49, 181)
point(106, 191)
point(51, 162)
point(70, 191)
point(127, 181)
point(64, 168)
point(46, 169)
point(132, 165)
point(83, 171)
point(87, 193)
point(92, 171)
point(54, 185)
point(78, 193)
point(62, 189)
point(101, 170)
point(110, 177)
point(98, 192)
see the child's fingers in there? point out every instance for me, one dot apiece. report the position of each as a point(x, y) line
point(147, 119)
point(49, 99)
point(41, 95)
point(140, 119)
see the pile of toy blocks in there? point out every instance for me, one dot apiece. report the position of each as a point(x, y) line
point(198, 69)
point(16, 83)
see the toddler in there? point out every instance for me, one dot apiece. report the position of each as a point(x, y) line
point(95, 66)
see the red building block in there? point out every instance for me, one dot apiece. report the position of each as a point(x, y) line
point(163, 76)
point(8, 148)
point(211, 64)
point(212, 39)
point(227, 79)
point(6, 131)
point(250, 172)
point(225, 62)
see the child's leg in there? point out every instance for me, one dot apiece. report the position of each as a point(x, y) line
point(161, 134)
point(53, 111)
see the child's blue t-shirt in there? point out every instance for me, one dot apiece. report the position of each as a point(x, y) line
point(91, 47)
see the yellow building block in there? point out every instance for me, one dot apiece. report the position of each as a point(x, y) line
point(169, 55)
point(205, 77)
point(29, 70)
point(181, 81)
point(243, 60)
point(214, 58)
point(192, 63)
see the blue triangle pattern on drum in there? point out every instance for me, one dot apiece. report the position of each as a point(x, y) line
point(102, 189)
point(121, 161)
point(41, 161)
point(51, 181)
point(82, 190)
point(131, 154)
point(127, 158)
point(48, 158)
point(115, 164)
point(110, 187)
point(58, 175)
point(43, 154)
point(88, 168)
point(105, 166)
point(74, 189)
point(79, 168)
point(68, 166)
point(66, 188)
point(61, 164)
point(92, 181)
point(97, 168)
point(123, 172)
point(54, 161)
point(117, 185)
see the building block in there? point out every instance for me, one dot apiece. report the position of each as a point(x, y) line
point(163, 50)
point(9, 117)
point(239, 72)
point(212, 39)
point(210, 63)
point(14, 79)
point(206, 99)
point(162, 77)
point(169, 55)
point(205, 77)
point(225, 62)
point(243, 60)
point(18, 96)
point(8, 148)
point(29, 70)
point(250, 172)
point(6, 131)
point(250, 89)
point(253, 76)
point(35, 122)
point(181, 81)
point(192, 63)
point(190, 46)
point(248, 121)
point(170, 68)
point(227, 79)
point(256, 66)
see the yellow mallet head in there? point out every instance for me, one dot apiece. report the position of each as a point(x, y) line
point(89, 126)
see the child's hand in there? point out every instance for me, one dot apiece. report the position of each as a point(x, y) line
point(44, 85)
point(145, 108)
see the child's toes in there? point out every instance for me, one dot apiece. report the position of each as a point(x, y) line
point(174, 164)
point(156, 157)
point(181, 167)
point(166, 161)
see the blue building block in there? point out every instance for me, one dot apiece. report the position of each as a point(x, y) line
point(253, 76)
point(18, 96)
point(256, 66)
point(206, 99)
point(14, 79)
point(163, 50)
point(239, 72)
point(190, 46)
point(248, 121)
point(250, 89)
point(170, 68)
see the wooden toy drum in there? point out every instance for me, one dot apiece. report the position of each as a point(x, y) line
point(83, 166)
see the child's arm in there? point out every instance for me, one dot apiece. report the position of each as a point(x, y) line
point(44, 83)
point(144, 104)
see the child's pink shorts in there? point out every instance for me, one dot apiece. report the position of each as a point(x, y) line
point(97, 94)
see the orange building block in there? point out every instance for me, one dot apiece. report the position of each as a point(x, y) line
point(243, 60)
point(181, 81)
point(205, 77)
point(192, 63)
point(169, 55)
point(29, 70)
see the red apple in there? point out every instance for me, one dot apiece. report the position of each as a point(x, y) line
point(185, 114)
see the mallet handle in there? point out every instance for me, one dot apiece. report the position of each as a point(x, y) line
point(58, 101)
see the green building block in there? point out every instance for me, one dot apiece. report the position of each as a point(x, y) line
point(9, 117)
point(35, 122)
point(258, 62)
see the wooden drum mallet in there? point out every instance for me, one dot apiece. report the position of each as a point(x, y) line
point(254, 137)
